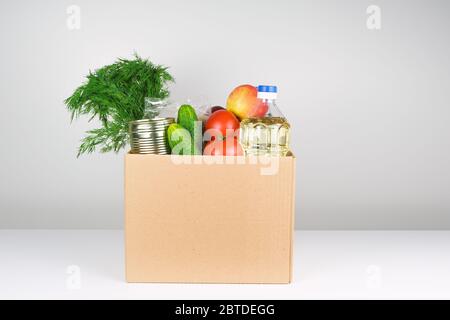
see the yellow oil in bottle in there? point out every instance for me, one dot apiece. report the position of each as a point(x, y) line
point(265, 136)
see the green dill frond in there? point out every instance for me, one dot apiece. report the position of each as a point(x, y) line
point(115, 94)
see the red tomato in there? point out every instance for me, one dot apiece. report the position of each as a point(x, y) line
point(228, 147)
point(222, 122)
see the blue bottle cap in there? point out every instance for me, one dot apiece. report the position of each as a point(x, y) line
point(264, 88)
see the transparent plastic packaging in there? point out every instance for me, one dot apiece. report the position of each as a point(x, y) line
point(159, 108)
point(268, 135)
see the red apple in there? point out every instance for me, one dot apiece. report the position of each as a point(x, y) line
point(243, 102)
point(216, 108)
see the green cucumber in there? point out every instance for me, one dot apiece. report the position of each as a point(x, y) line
point(180, 140)
point(188, 119)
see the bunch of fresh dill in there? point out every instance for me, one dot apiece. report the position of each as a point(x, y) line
point(115, 94)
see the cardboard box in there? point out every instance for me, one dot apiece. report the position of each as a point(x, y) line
point(210, 220)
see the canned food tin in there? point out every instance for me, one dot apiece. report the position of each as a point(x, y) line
point(149, 136)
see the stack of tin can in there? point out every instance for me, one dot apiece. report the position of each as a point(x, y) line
point(149, 136)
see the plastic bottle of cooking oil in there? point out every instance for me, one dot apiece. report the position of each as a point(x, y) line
point(267, 135)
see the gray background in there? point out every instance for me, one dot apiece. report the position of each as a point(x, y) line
point(369, 109)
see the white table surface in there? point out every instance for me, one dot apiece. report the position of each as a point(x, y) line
point(36, 264)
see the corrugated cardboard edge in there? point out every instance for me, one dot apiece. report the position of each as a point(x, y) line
point(125, 215)
point(292, 229)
